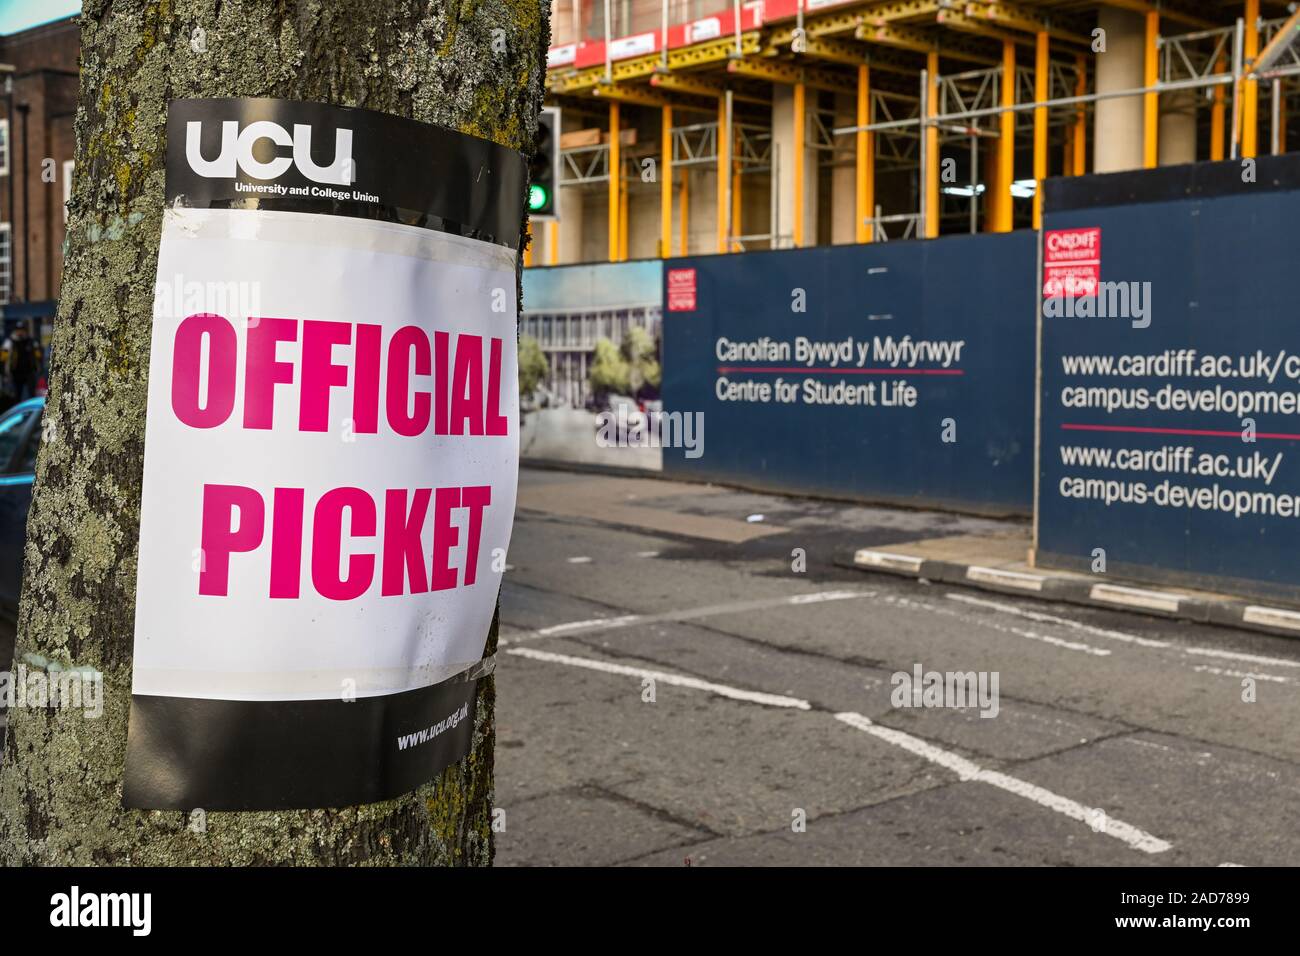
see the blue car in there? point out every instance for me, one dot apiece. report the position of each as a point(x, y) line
point(20, 436)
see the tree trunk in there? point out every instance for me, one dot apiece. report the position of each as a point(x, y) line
point(476, 66)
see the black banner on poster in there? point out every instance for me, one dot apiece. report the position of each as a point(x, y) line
point(309, 157)
point(273, 755)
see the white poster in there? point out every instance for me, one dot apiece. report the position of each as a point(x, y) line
point(331, 458)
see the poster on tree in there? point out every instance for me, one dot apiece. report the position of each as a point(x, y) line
point(331, 455)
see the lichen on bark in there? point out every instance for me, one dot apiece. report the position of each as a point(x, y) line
point(472, 65)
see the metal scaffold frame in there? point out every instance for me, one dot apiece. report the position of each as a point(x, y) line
point(1000, 99)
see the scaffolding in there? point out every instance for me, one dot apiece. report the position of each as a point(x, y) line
point(923, 100)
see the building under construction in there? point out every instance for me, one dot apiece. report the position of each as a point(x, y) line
point(813, 122)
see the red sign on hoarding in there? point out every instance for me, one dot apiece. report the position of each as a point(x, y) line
point(681, 290)
point(1071, 262)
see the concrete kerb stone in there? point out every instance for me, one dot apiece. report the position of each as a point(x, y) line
point(1115, 595)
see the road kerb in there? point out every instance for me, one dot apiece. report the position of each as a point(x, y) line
point(1074, 588)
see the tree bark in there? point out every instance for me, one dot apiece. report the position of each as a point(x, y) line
point(473, 65)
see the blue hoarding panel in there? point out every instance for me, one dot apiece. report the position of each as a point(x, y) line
point(1170, 433)
point(898, 372)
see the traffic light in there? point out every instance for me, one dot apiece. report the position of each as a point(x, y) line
point(544, 167)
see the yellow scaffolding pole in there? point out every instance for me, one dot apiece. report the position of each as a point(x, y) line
point(1218, 114)
point(799, 132)
point(528, 245)
point(932, 146)
point(666, 183)
point(1150, 101)
point(865, 159)
point(736, 216)
point(552, 243)
point(1003, 206)
point(1080, 144)
point(1250, 88)
point(724, 174)
point(614, 168)
point(622, 222)
point(1040, 123)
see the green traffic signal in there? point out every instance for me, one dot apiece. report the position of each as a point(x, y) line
point(539, 197)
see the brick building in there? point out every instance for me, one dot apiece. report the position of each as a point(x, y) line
point(38, 80)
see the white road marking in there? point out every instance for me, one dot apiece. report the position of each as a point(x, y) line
point(818, 597)
point(1229, 672)
point(965, 769)
point(597, 623)
point(1054, 619)
point(1238, 656)
point(673, 680)
point(689, 614)
point(580, 559)
point(1061, 642)
point(969, 770)
point(1120, 635)
point(1002, 628)
point(647, 554)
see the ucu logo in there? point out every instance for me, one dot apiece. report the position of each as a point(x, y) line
point(237, 150)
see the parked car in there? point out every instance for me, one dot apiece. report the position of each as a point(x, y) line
point(20, 436)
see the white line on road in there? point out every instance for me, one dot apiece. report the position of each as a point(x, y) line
point(596, 623)
point(1230, 672)
point(711, 610)
point(968, 770)
point(1120, 635)
point(993, 625)
point(1053, 619)
point(673, 680)
point(1060, 642)
point(1238, 656)
point(819, 597)
point(965, 769)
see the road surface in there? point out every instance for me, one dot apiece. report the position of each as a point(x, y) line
point(673, 690)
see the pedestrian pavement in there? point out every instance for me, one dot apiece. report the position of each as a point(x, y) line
point(636, 503)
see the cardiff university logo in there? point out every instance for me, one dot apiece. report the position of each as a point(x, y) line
point(237, 150)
